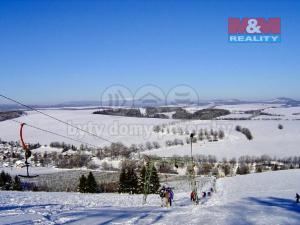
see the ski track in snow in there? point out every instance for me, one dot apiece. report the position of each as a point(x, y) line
point(265, 198)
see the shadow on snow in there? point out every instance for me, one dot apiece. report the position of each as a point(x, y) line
point(107, 216)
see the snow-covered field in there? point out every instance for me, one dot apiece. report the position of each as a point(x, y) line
point(268, 139)
point(236, 116)
point(114, 128)
point(247, 107)
point(265, 198)
point(288, 113)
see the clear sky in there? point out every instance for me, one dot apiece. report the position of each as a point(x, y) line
point(56, 51)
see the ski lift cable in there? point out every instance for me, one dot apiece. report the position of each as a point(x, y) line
point(53, 133)
point(57, 119)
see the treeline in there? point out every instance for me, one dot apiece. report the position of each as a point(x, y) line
point(244, 131)
point(132, 179)
point(120, 112)
point(16, 144)
point(76, 160)
point(65, 147)
point(295, 160)
point(260, 112)
point(150, 112)
point(81, 157)
point(88, 184)
point(157, 112)
point(10, 115)
point(203, 114)
point(209, 165)
point(9, 183)
point(135, 180)
point(201, 135)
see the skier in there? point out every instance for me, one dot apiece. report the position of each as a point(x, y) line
point(171, 195)
point(297, 198)
point(203, 194)
point(162, 194)
point(194, 197)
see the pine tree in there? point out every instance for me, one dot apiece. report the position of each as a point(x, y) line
point(17, 185)
point(128, 181)
point(154, 181)
point(141, 180)
point(8, 185)
point(2, 179)
point(5, 181)
point(82, 184)
point(122, 183)
point(132, 181)
point(238, 171)
point(91, 184)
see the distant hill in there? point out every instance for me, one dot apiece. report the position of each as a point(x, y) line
point(288, 102)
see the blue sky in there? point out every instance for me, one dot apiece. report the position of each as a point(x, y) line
point(56, 51)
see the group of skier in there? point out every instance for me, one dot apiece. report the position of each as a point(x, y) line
point(167, 195)
point(195, 198)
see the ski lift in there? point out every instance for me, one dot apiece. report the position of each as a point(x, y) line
point(27, 154)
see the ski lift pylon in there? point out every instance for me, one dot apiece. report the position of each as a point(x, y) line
point(27, 154)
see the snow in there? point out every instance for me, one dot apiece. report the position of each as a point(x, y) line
point(268, 139)
point(47, 149)
point(114, 128)
point(256, 199)
point(192, 109)
point(247, 107)
point(289, 113)
point(236, 116)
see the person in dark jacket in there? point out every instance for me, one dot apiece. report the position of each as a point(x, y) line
point(171, 195)
point(297, 198)
point(162, 193)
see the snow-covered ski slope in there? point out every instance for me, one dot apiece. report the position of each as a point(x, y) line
point(265, 198)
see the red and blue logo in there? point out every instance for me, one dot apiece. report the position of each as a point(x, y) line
point(257, 30)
